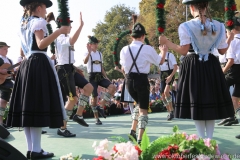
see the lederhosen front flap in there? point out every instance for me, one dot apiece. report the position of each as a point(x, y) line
point(96, 75)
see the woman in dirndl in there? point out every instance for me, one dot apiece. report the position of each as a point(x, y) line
point(36, 98)
point(203, 93)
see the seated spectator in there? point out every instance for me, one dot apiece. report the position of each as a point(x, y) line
point(116, 108)
point(126, 108)
point(153, 96)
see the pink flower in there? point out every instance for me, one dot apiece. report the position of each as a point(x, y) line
point(217, 150)
point(193, 137)
point(207, 142)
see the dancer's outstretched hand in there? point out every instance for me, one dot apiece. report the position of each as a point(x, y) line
point(163, 48)
point(81, 21)
point(162, 40)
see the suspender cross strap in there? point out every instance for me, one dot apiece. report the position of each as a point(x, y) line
point(94, 61)
point(134, 59)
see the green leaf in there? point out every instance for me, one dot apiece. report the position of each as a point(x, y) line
point(175, 129)
point(145, 141)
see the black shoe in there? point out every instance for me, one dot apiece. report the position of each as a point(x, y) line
point(80, 120)
point(133, 134)
point(170, 116)
point(98, 122)
point(101, 111)
point(66, 133)
point(43, 132)
point(238, 136)
point(233, 121)
point(28, 154)
point(36, 155)
point(226, 120)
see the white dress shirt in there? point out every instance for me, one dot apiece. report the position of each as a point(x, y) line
point(95, 57)
point(5, 59)
point(234, 49)
point(172, 61)
point(146, 57)
point(62, 46)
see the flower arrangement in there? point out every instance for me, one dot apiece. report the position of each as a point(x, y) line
point(69, 157)
point(120, 151)
point(160, 15)
point(157, 105)
point(178, 146)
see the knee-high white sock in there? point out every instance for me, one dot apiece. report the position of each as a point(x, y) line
point(36, 133)
point(28, 138)
point(200, 126)
point(210, 128)
point(131, 107)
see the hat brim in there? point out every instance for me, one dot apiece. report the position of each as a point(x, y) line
point(137, 34)
point(4, 46)
point(194, 1)
point(48, 3)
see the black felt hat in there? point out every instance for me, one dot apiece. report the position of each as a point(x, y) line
point(58, 21)
point(92, 40)
point(48, 3)
point(236, 21)
point(194, 1)
point(138, 30)
point(3, 44)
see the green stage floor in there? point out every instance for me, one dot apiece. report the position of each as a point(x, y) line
point(119, 125)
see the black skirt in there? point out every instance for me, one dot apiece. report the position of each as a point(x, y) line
point(202, 93)
point(36, 99)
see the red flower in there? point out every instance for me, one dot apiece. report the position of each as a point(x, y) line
point(139, 150)
point(156, 98)
point(117, 39)
point(165, 154)
point(114, 52)
point(229, 23)
point(99, 158)
point(150, 103)
point(84, 111)
point(160, 5)
point(116, 63)
point(234, 7)
point(114, 148)
point(226, 8)
point(160, 29)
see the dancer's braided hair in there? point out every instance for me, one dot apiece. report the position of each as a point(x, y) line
point(201, 7)
point(28, 9)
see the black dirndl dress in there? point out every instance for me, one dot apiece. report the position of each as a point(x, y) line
point(202, 93)
point(36, 98)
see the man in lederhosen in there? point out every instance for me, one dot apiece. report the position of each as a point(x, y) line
point(7, 85)
point(97, 77)
point(69, 77)
point(232, 70)
point(136, 60)
point(168, 70)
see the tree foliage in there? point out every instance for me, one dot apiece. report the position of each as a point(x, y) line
point(116, 20)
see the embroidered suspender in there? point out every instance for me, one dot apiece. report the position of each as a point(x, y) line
point(134, 59)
